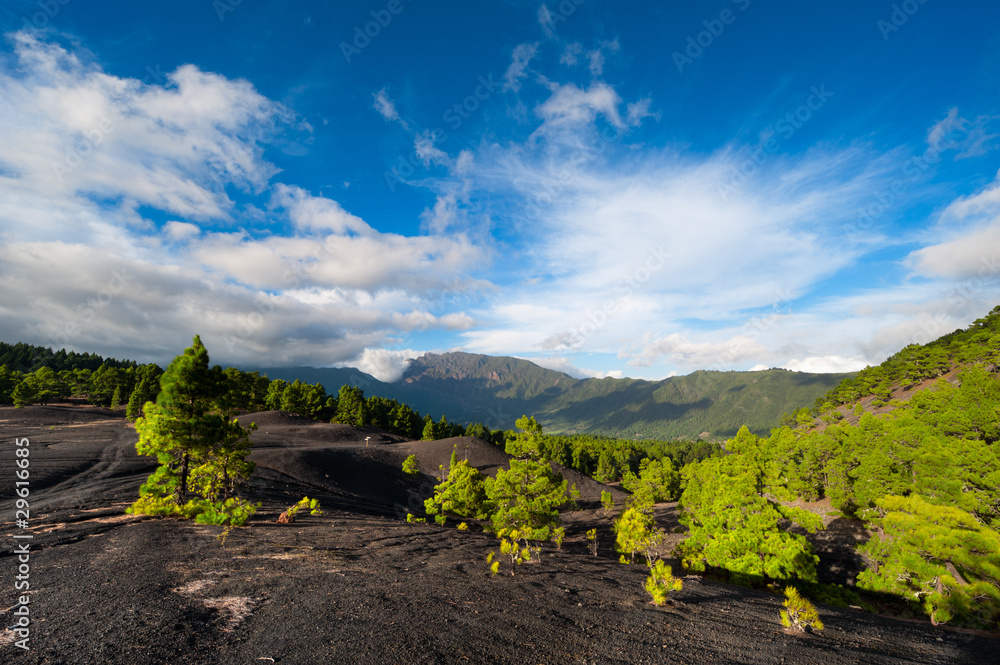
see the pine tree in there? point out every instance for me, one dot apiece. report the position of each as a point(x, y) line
point(462, 493)
point(527, 497)
point(940, 555)
point(735, 522)
point(430, 430)
point(24, 394)
point(799, 613)
point(199, 445)
point(351, 407)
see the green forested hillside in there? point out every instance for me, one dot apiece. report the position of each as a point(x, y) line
point(923, 477)
point(978, 343)
point(716, 403)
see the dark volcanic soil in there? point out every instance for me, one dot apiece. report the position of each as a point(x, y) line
point(359, 584)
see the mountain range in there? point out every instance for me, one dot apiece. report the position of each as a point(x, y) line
point(495, 391)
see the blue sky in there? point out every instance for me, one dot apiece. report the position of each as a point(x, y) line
point(641, 191)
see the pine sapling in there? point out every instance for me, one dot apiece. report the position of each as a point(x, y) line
point(661, 581)
point(558, 535)
point(608, 501)
point(511, 548)
point(592, 537)
point(494, 565)
point(799, 613)
point(410, 465)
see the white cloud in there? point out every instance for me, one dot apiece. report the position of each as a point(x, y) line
point(827, 364)
point(729, 354)
point(571, 106)
point(517, 70)
point(385, 106)
point(386, 365)
point(968, 246)
point(571, 54)
point(970, 138)
point(546, 21)
point(619, 246)
point(180, 231)
point(91, 272)
point(426, 149)
point(596, 63)
point(316, 213)
point(73, 133)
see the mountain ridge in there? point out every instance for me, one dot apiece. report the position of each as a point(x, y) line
point(496, 390)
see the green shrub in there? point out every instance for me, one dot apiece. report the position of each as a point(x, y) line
point(512, 550)
point(304, 503)
point(661, 581)
point(410, 465)
point(608, 501)
point(633, 528)
point(799, 613)
point(234, 512)
point(461, 493)
point(592, 537)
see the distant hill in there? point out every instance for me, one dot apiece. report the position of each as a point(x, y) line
point(497, 390)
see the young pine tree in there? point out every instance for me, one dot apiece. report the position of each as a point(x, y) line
point(198, 447)
point(799, 613)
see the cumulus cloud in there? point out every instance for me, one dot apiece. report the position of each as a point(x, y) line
point(180, 231)
point(729, 354)
point(173, 142)
point(827, 364)
point(387, 365)
point(86, 155)
point(969, 246)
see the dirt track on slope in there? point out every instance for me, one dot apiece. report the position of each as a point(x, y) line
point(358, 584)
